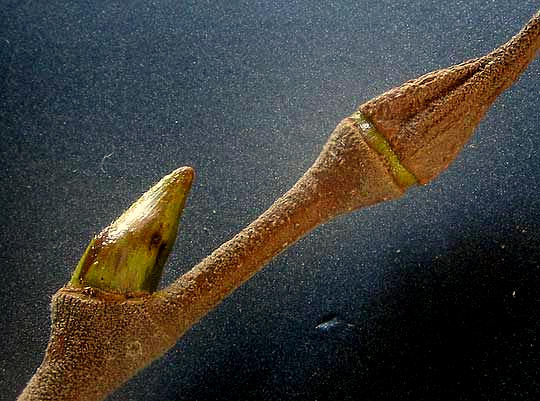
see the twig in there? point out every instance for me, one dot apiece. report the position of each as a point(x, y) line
point(411, 133)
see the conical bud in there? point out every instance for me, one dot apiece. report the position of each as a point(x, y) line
point(429, 119)
point(129, 255)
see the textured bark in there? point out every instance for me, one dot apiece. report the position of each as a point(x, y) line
point(96, 344)
point(99, 340)
point(429, 119)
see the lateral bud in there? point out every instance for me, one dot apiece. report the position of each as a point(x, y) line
point(128, 256)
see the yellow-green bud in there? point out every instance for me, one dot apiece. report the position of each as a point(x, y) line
point(128, 256)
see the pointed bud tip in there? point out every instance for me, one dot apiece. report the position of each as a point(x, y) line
point(184, 174)
point(427, 121)
point(129, 255)
point(176, 183)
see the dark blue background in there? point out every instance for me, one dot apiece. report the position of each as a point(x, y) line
point(435, 295)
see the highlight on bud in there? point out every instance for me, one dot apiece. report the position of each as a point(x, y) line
point(128, 256)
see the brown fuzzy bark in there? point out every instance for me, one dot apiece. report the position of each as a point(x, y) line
point(95, 345)
point(429, 119)
point(99, 340)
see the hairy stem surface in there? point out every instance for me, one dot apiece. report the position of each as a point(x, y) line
point(410, 133)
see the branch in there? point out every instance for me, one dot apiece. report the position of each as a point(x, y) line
point(100, 338)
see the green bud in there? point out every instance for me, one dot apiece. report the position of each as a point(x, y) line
point(129, 255)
